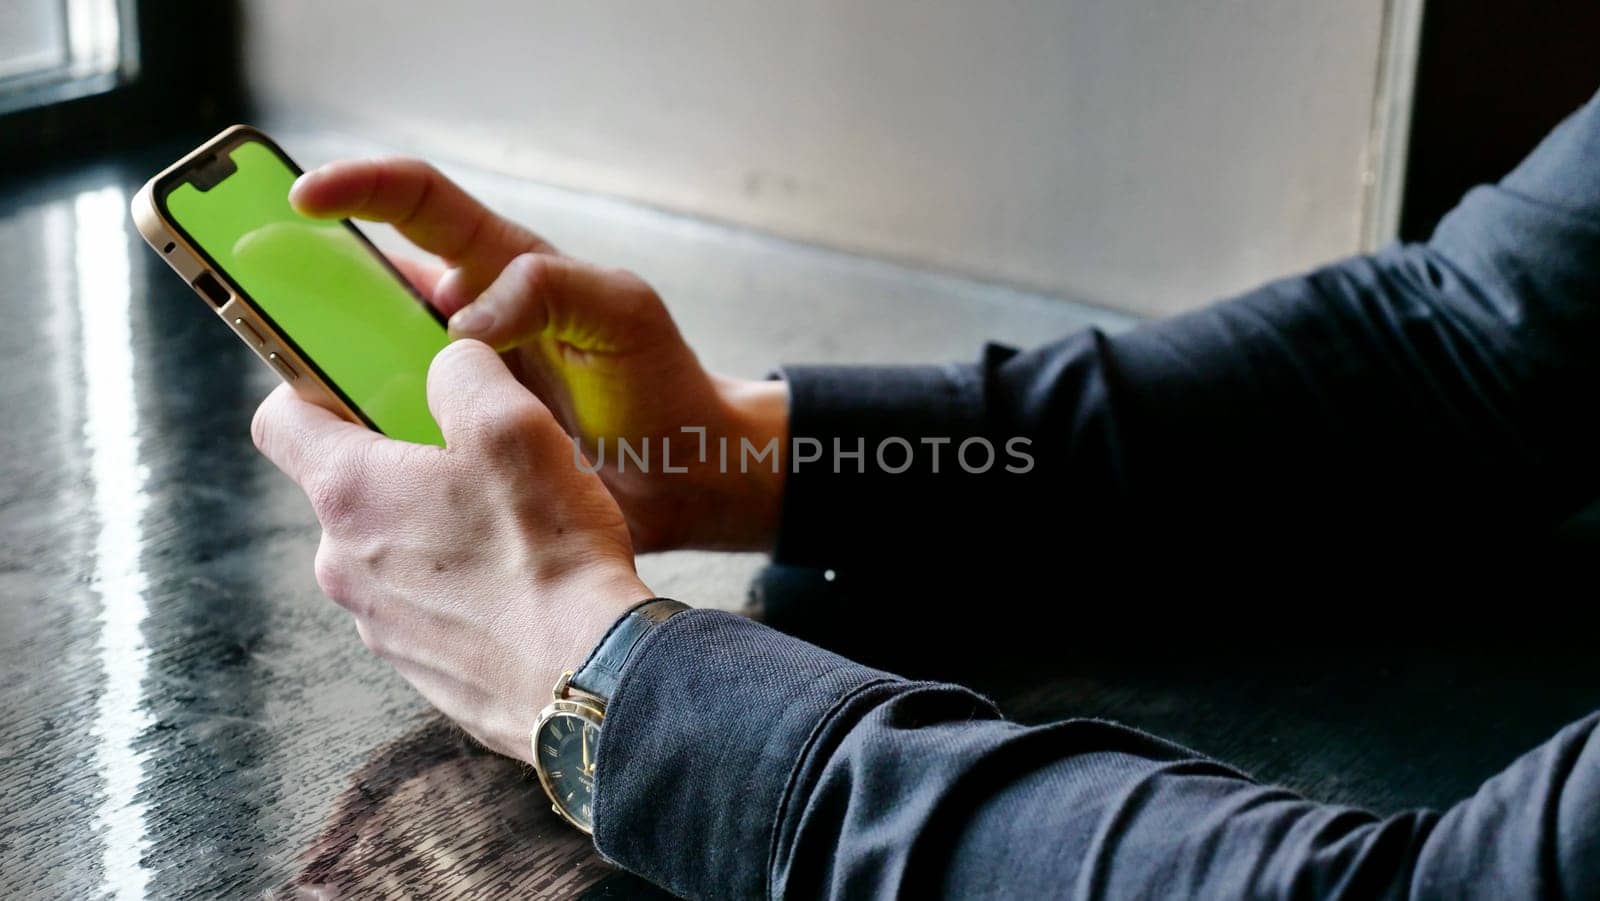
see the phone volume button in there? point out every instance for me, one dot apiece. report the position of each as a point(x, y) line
point(248, 331)
point(283, 367)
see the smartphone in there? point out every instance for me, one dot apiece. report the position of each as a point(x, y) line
point(313, 298)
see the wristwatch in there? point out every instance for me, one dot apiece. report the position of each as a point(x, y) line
point(567, 733)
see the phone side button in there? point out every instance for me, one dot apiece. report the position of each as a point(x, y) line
point(283, 367)
point(248, 331)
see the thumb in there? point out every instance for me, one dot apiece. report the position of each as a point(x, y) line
point(474, 397)
point(538, 292)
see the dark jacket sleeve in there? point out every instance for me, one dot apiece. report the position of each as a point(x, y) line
point(738, 762)
point(1436, 388)
point(1444, 389)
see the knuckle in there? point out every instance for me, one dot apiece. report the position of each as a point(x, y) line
point(418, 166)
point(637, 298)
point(331, 574)
point(401, 164)
point(630, 281)
point(375, 555)
point(331, 499)
point(335, 493)
point(533, 271)
point(508, 432)
point(337, 577)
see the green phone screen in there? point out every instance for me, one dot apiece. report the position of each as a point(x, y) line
point(323, 287)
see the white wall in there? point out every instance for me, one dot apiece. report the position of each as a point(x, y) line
point(1146, 155)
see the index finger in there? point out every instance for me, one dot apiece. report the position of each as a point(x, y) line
point(432, 211)
point(304, 440)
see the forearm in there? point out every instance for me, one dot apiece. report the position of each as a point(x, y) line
point(1436, 389)
point(737, 762)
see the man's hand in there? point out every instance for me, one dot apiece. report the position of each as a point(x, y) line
point(482, 570)
point(597, 345)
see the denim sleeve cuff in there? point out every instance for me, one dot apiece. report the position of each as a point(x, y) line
point(865, 439)
point(710, 719)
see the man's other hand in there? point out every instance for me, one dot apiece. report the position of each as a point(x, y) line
point(597, 345)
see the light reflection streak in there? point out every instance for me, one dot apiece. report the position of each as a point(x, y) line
point(119, 482)
point(94, 36)
point(62, 327)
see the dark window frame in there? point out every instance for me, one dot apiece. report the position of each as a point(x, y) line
point(180, 75)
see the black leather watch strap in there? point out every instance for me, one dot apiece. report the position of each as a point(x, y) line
point(599, 674)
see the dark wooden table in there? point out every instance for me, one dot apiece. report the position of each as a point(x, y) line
point(183, 715)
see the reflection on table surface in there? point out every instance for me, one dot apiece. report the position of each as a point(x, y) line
point(435, 815)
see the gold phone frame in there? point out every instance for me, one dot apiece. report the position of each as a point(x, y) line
point(242, 314)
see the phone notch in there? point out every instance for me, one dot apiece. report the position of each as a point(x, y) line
point(209, 171)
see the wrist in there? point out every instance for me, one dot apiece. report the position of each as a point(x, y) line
point(597, 599)
point(750, 484)
point(566, 736)
point(580, 609)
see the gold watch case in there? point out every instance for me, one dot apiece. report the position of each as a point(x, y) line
point(568, 702)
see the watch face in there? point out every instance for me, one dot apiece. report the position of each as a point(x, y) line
point(565, 745)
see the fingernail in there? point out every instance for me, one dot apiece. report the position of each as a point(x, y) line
point(472, 319)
